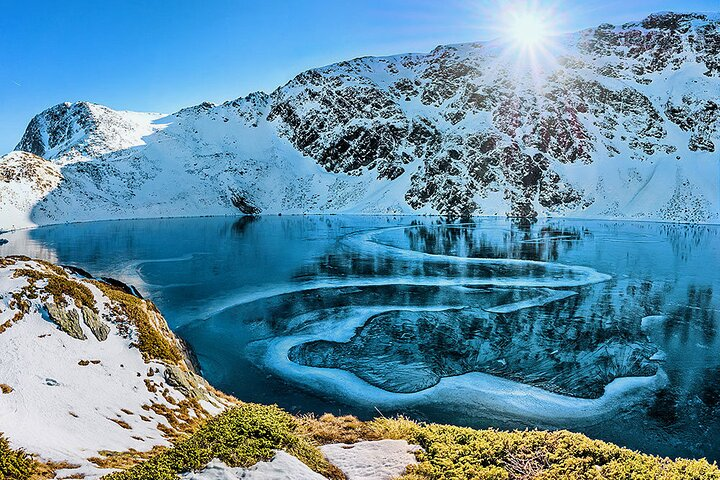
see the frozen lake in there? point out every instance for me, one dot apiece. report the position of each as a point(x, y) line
point(608, 328)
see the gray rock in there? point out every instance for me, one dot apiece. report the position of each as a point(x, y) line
point(185, 382)
point(100, 329)
point(67, 320)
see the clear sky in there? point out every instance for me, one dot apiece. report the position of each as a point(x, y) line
point(162, 55)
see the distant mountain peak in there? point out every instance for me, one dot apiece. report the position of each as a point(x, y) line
point(84, 129)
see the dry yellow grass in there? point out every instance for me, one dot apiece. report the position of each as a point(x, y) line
point(124, 460)
point(329, 428)
point(122, 423)
point(59, 286)
point(45, 470)
point(155, 340)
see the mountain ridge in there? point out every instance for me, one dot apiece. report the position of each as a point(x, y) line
point(622, 122)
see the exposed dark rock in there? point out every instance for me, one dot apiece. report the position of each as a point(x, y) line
point(77, 271)
point(129, 289)
point(67, 320)
point(99, 328)
point(56, 126)
point(240, 202)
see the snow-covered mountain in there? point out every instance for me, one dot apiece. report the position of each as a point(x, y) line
point(611, 122)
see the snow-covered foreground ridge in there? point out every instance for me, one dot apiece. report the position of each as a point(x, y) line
point(612, 122)
point(87, 367)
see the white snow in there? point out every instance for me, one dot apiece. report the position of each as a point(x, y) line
point(28, 179)
point(376, 460)
point(115, 130)
point(282, 466)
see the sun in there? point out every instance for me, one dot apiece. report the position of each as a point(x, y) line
point(528, 37)
point(528, 29)
point(529, 25)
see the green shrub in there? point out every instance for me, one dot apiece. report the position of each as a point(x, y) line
point(240, 437)
point(250, 433)
point(14, 464)
point(455, 453)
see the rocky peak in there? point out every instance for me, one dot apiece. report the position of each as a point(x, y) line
point(660, 41)
point(56, 126)
point(71, 130)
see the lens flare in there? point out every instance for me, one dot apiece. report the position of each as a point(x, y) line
point(528, 26)
point(528, 29)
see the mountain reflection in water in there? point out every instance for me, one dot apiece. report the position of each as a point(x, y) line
point(609, 328)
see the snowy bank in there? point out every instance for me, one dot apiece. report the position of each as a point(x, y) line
point(90, 367)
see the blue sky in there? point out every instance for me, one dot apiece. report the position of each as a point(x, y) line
point(155, 55)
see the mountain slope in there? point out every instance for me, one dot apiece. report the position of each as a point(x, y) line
point(613, 122)
point(88, 367)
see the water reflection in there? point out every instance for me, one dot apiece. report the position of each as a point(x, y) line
point(561, 347)
point(402, 304)
point(543, 243)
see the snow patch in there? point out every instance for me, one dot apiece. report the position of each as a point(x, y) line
point(283, 466)
point(376, 460)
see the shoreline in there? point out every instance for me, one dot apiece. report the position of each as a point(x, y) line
point(3, 230)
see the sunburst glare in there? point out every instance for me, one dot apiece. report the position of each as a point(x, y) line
point(528, 25)
point(529, 34)
point(528, 29)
